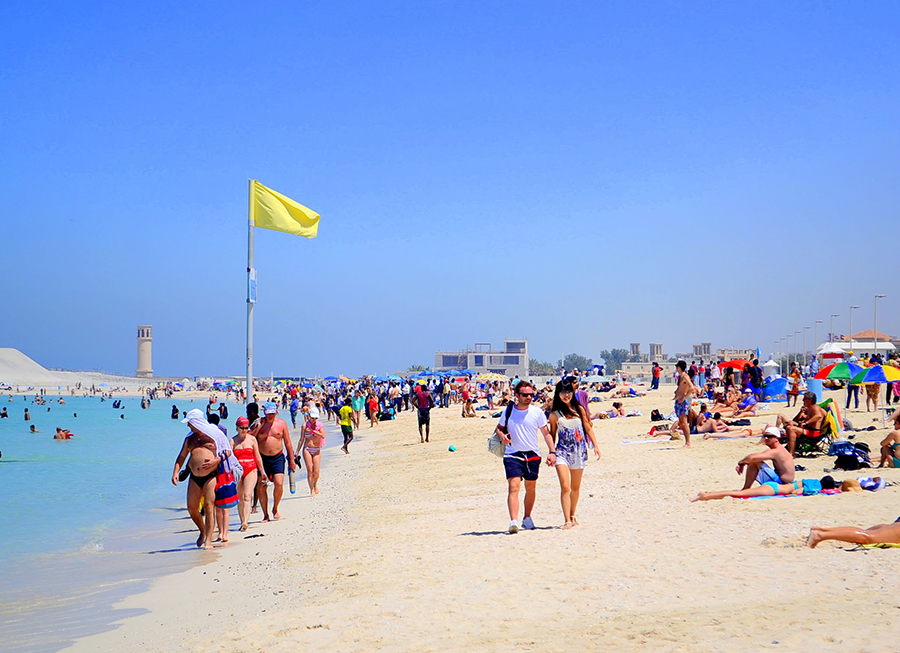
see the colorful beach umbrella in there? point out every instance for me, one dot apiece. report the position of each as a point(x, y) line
point(842, 370)
point(736, 364)
point(877, 374)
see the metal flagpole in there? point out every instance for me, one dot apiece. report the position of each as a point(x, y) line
point(251, 298)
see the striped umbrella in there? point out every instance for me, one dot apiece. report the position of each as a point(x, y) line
point(842, 370)
point(877, 374)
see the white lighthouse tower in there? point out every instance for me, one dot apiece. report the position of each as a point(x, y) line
point(145, 351)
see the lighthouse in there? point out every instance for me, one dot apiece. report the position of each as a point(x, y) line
point(144, 351)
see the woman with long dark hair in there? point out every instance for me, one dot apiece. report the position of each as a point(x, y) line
point(570, 428)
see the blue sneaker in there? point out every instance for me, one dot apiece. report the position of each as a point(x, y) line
point(528, 524)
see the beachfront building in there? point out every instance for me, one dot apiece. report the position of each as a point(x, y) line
point(144, 351)
point(703, 351)
point(512, 361)
point(731, 354)
point(656, 353)
point(865, 342)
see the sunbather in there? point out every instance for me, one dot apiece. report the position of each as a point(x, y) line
point(806, 486)
point(889, 453)
point(880, 534)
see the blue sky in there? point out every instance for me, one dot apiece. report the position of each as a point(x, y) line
point(581, 174)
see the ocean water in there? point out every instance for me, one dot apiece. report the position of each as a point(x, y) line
point(87, 521)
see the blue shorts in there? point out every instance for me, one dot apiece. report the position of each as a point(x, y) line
point(682, 407)
point(273, 465)
point(767, 474)
point(522, 464)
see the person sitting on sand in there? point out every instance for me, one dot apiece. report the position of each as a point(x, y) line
point(807, 422)
point(806, 487)
point(889, 452)
point(468, 410)
point(747, 407)
point(204, 467)
point(730, 404)
point(880, 534)
point(755, 466)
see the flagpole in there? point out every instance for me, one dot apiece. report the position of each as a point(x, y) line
point(251, 299)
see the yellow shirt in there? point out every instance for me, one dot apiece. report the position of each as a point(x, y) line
point(346, 413)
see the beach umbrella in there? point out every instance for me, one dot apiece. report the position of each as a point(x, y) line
point(877, 374)
point(331, 378)
point(306, 385)
point(842, 370)
point(737, 364)
point(453, 372)
point(394, 377)
point(381, 379)
point(468, 372)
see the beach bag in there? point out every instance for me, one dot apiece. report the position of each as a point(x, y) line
point(226, 489)
point(494, 443)
point(656, 416)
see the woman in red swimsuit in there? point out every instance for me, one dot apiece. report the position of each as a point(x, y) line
point(246, 450)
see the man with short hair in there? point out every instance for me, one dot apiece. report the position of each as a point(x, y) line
point(683, 394)
point(807, 422)
point(274, 438)
point(518, 429)
point(424, 403)
point(656, 373)
point(757, 464)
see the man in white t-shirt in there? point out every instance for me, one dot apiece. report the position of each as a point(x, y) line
point(523, 454)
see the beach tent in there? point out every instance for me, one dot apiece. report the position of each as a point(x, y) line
point(774, 390)
point(771, 368)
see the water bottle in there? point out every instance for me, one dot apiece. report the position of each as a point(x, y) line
point(292, 482)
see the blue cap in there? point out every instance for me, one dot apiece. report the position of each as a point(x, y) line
point(269, 408)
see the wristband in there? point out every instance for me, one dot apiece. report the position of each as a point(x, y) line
point(551, 453)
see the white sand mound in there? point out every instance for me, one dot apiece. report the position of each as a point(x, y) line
point(16, 367)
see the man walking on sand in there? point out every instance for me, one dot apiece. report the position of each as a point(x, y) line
point(273, 437)
point(518, 429)
point(424, 403)
point(683, 394)
point(757, 464)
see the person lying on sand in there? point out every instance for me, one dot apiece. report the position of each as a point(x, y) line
point(806, 487)
point(880, 534)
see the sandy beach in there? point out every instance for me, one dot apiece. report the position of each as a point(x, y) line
point(406, 549)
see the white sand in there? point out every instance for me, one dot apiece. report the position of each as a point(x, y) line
point(405, 549)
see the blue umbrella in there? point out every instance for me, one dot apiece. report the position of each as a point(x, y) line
point(381, 378)
point(468, 372)
point(331, 378)
point(306, 385)
point(453, 372)
point(394, 377)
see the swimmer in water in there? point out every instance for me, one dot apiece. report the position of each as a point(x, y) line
point(33, 429)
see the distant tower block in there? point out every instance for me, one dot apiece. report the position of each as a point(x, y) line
point(635, 349)
point(656, 353)
point(145, 351)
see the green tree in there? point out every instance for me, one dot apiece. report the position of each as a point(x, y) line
point(614, 359)
point(539, 368)
point(416, 368)
point(572, 361)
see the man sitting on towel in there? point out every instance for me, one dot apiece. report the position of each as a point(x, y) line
point(757, 466)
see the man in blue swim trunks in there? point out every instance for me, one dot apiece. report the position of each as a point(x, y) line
point(274, 438)
point(683, 395)
point(757, 467)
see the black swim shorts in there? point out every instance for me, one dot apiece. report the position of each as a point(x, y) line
point(522, 464)
point(424, 416)
point(273, 464)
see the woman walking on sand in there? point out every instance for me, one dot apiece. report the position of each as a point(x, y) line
point(570, 428)
point(246, 450)
point(312, 439)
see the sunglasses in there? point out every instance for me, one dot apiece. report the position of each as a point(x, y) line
point(525, 394)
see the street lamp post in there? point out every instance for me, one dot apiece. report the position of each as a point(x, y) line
point(816, 338)
point(875, 332)
point(787, 364)
point(831, 335)
point(851, 326)
point(796, 345)
point(805, 360)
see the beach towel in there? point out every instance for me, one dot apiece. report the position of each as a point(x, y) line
point(226, 489)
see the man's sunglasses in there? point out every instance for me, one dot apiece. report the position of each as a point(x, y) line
point(525, 394)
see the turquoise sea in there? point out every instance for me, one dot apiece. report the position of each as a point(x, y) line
point(89, 520)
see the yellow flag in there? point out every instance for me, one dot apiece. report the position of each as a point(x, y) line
point(272, 210)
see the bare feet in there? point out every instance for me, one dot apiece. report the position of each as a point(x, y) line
point(567, 526)
point(686, 446)
point(275, 515)
point(815, 536)
point(265, 519)
point(243, 527)
point(200, 541)
point(208, 546)
point(574, 521)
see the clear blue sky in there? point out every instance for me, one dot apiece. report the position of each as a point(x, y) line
point(584, 174)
